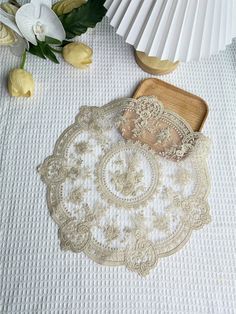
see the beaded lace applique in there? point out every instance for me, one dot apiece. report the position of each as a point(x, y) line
point(118, 201)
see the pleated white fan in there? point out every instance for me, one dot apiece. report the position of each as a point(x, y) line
point(174, 29)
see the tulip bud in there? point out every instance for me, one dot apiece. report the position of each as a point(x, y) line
point(20, 83)
point(7, 36)
point(77, 54)
point(66, 6)
point(8, 8)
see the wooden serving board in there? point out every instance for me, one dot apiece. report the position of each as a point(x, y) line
point(190, 107)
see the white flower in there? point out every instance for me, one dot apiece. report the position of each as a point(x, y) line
point(37, 19)
point(34, 20)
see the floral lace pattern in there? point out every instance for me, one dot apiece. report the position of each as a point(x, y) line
point(118, 201)
point(168, 134)
point(127, 179)
point(120, 178)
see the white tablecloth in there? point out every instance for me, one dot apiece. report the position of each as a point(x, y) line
point(35, 275)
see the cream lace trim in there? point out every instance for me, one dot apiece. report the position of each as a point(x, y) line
point(116, 200)
point(168, 134)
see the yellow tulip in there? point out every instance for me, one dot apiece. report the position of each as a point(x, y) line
point(7, 36)
point(9, 8)
point(66, 6)
point(20, 83)
point(77, 54)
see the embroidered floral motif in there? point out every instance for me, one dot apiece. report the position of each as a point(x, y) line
point(181, 177)
point(83, 147)
point(128, 179)
point(124, 185)
point(91, 216)
point(77, 195)
point(78, 171)
point(90, 119)
point(111, 232)
point(161, 222)
point(148, 109)
point(163, 135)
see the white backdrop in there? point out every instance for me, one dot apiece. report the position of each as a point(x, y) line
point(175, 30)
point(35, 275)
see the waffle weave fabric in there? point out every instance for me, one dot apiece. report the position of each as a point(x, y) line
point(35, 275)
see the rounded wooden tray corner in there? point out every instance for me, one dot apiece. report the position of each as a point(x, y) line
point(190, 107)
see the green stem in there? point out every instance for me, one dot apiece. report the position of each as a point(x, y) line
point(55, 50)
point(23, 59)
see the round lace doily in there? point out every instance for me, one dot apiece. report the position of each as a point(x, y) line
point(118, 201)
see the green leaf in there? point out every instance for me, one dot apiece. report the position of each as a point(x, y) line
point(52, 41)
point(65, 42)
point(43, 50)
point(78, 20)
point(46, 50)
point(37, 51)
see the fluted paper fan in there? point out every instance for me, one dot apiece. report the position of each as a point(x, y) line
point(174, 29)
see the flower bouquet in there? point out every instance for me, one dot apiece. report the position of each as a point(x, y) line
point(45, 30)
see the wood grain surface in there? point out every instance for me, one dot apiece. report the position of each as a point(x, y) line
point(190, 107)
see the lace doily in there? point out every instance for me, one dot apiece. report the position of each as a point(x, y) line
point(118, 201)
point(146, 121)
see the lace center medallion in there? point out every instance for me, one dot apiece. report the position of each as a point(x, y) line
point(128, 175)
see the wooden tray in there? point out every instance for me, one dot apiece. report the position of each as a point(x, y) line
point(190, 107)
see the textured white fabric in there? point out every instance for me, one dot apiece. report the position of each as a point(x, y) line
point(36, 276)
